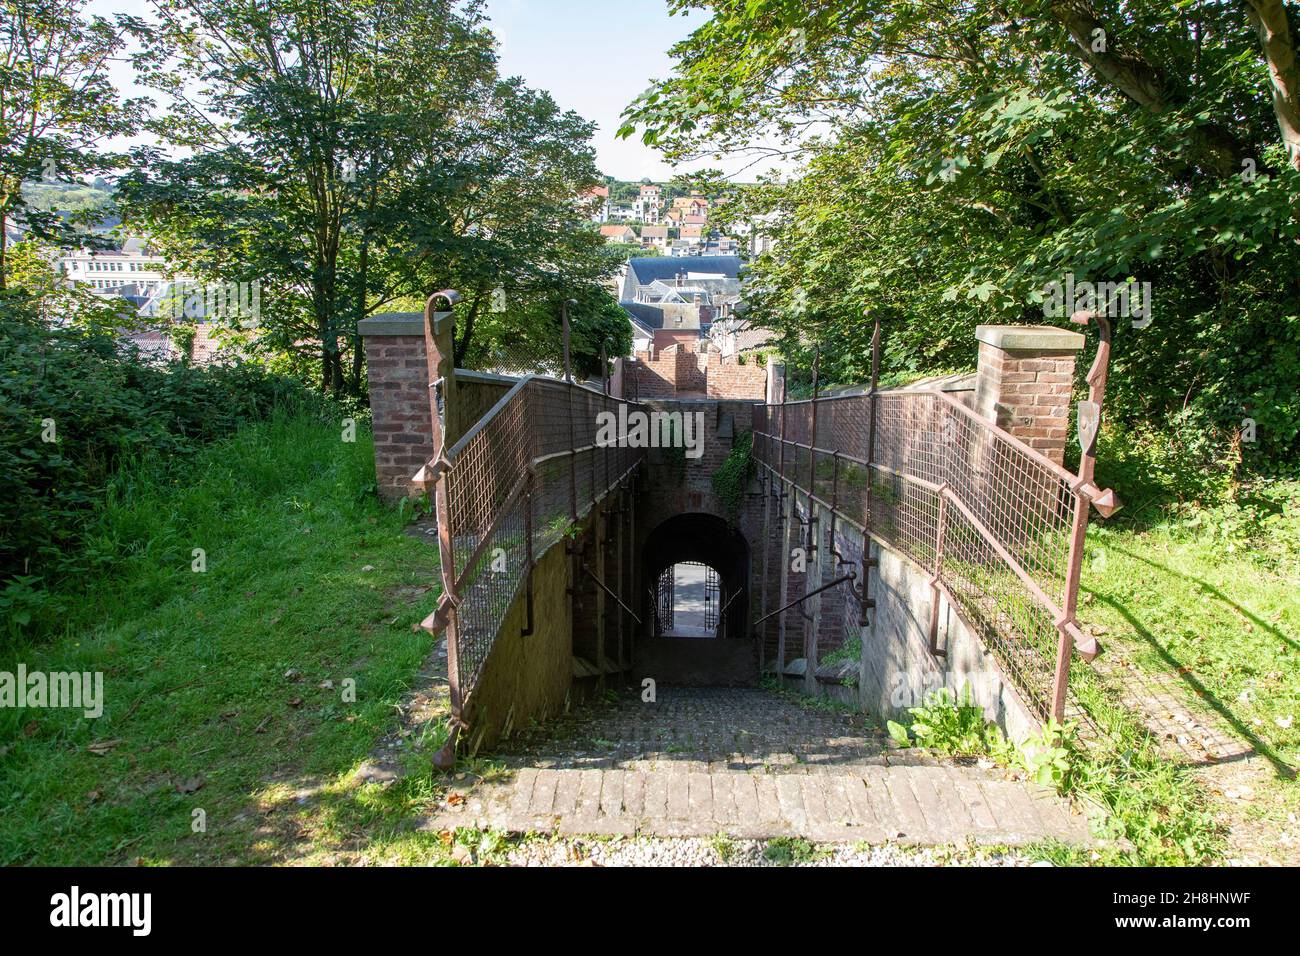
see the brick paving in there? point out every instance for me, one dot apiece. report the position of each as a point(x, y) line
point(750, 764)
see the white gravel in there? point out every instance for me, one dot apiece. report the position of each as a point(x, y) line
point(663, 851)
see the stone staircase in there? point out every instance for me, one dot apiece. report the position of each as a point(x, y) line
point(751, 764)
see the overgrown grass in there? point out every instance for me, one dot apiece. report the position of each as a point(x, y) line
point(217, 684)
point(1203, 599)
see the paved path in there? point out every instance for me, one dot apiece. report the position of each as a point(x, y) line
point(751, 764)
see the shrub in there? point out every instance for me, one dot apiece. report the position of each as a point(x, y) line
point(76, 403)
point(732, 477)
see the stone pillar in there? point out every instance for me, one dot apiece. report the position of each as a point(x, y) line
point(775, 390)
point(399, 399)
point(1025, 382)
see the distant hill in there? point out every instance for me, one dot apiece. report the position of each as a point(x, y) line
point(70, 198)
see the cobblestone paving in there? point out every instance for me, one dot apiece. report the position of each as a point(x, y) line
point(750, 764)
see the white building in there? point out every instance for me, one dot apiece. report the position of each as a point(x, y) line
point(108, 270)
point(649, 204)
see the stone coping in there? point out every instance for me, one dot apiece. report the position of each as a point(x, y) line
point(392, 323)
point(1023, 338)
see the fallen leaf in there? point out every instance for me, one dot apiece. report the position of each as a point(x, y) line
point(190, 786)
point(455, 799)
point(296, 702)
point(101, 747)
point(31, 728)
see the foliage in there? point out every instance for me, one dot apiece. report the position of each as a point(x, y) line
point(1140, 797)
point(948, 723)
point(56, 106)
point(787, 851)
point(981, 152)
point(731, 480)
point(355, 154)
point(75, 405)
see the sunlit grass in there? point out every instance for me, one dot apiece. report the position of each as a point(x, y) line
point(302, 569)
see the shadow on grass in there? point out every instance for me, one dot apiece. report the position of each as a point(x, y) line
point(1262, 747)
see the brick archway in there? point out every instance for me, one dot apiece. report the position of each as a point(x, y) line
point(699, 537)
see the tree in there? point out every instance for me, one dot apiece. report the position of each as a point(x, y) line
point(351, 155)
point(960, 160)
point(57, 106)
point(314, 133)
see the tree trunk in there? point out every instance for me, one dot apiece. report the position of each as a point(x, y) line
point(1269, 19)
point(359, 312)
point(461, 346)
point(1143, 82)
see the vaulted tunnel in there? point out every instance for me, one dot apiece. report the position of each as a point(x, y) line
point(663, 654)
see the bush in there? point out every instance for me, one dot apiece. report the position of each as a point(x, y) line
point(75, 404)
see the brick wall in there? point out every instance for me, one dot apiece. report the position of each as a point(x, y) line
point(1025, 382)
point(398, 376)
point(696, 370)
point(399, 401)
point(729, 378)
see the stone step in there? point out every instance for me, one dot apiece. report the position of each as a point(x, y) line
point(915, 804)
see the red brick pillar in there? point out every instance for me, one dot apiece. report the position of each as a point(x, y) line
point(1025, 382)
point(399, 399)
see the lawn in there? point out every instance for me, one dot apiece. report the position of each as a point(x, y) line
point(229, 733)
point(1204, 606)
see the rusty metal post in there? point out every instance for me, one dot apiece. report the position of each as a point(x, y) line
point(940, 527)
point(787, 529)
point(568, 400)
point(780, 460)
point(1085, 494)
point(812, 438)
point(528, 546)
point(866, 603)
point(438, 338)
point(767, 554)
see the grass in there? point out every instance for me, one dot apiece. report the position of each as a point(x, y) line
point(1203, 600)
point(787, 851)
point(307, 576)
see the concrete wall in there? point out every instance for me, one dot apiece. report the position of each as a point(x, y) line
point(527, 677)
point(898, 671)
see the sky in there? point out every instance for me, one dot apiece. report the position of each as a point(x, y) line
point(594, 56)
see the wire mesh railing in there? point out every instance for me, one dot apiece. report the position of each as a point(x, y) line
point(513, 486)
point(991, 520)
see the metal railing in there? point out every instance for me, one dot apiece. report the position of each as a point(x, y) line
point(998, 526)
point(507, 491)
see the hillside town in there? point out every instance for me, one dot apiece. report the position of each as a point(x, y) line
point(679, 286)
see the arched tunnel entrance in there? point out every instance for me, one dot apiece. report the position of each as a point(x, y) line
point(696, 627)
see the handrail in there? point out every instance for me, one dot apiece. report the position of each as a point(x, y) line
point(1016, 518)
point(491, 492)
